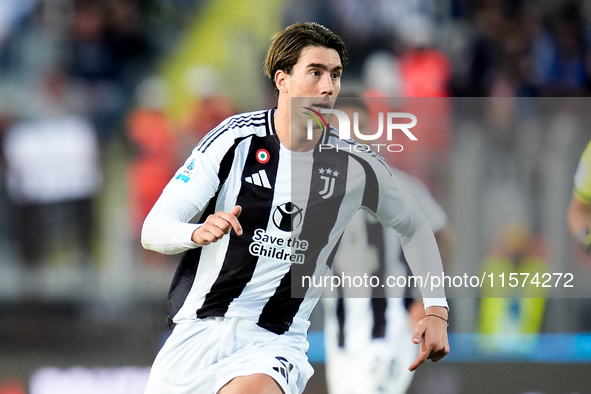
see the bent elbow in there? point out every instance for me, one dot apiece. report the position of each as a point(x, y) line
point(147, 235)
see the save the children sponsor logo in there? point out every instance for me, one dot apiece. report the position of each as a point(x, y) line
point(267, 244)
point(286, 217)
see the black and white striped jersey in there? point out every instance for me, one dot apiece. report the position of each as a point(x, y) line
point(295, 207)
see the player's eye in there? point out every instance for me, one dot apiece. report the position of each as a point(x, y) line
point(315, 73)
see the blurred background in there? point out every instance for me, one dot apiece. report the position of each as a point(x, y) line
point(102, 100)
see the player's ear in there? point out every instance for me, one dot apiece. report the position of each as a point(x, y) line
point(281, 81)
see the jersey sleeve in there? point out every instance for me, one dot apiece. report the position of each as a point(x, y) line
point(167, 229)
point(398, 210)
point(582, 187)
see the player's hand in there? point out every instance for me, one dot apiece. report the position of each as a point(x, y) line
point(218, 225)
point(431, 335)
point(416, 313)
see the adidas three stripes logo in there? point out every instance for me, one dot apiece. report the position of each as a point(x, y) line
point(259, 179)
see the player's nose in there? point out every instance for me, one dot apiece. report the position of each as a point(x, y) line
point(326, 85)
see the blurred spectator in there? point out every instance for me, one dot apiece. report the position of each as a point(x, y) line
point(381, 84)
point(209, 108)
point(381, 75)
point(124, 31)
point(561, 53)
point(498, 54)
point(371, 25)
point(155, 159)
point(104, 40)
point(33, 48)
point(363, 26)
point(514, 73)
point(425, 71)
point(52, 174)
point(420, 73)
point(483, 53)
point(519, 51)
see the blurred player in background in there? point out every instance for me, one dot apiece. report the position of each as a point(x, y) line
point(368, 336)
point(579, 210)
point(507, 312)
point(238, 326)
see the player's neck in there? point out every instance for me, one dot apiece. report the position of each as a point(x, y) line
point(292, 136)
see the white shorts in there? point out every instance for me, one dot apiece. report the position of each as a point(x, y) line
point(200, 357)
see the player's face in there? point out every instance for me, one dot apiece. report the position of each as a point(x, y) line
point(316, 74)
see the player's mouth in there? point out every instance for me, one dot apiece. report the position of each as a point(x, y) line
point(322, 105)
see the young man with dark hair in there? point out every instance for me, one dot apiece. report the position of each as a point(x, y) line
point(238, 325)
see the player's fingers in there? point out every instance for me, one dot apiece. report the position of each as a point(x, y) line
point(203, 237)
point(210, 233)
point(419, 331)
point(436, 338)
point(421, 358)
point(236, 211)
point(220, 221)
point(231, 219)
point(216, 231)
point(438, 354)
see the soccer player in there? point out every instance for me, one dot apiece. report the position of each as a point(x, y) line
point(579, 210)
point(257, 186)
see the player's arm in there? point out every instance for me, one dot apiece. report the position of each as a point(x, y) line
point(444, 238)
point(398, 210)
point(431, 331)
point(217, 225)
point(437, 219)
point(420, 249)
point(167, 228)
point(579, 222)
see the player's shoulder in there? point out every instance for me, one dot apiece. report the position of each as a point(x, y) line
point(254, 123)
point(365, 154)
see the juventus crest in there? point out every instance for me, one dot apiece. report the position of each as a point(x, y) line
point(329, 177)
